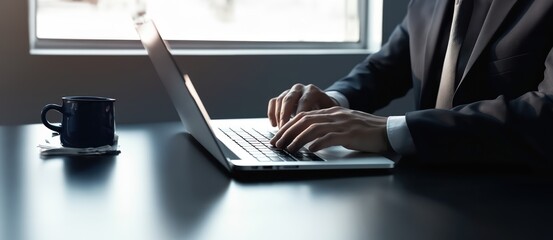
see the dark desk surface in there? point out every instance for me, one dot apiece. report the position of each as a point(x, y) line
point(163, 187)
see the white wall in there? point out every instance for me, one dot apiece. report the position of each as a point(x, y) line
point(230, 85)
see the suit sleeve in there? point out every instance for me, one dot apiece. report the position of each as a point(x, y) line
point(381, 77)
point(501, 131)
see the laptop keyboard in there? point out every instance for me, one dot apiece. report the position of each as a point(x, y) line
point(257, 144)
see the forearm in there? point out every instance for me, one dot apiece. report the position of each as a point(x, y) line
point(498, 131)
point(399, 136)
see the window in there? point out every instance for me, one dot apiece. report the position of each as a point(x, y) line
point(207, 24)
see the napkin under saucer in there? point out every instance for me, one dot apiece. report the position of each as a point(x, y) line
point(52, 147)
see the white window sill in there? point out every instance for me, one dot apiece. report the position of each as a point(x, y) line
point(199, 52)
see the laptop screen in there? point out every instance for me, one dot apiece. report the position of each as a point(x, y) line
point(180, 89)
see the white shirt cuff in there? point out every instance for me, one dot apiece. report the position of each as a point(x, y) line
point(399, 135)
point(339, 97)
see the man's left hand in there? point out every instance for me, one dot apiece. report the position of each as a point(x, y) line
point(334, 126)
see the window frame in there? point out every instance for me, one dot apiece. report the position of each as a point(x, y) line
point(370, 39)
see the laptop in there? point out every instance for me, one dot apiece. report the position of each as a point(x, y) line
point(240, 145)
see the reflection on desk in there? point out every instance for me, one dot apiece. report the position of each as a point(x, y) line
point(162, 186)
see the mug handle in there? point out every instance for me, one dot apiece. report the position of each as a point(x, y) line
point(45, 121)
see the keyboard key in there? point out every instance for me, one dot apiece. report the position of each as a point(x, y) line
point(276, 159)
point(263, 159)
point(289, 159)
point(311, 157)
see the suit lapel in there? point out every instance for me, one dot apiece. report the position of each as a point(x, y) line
point(497, 13)
point(433, 35)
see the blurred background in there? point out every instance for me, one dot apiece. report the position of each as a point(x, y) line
point(215, 20)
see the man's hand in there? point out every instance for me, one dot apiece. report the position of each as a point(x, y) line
point(334, 126)
point(299, 98)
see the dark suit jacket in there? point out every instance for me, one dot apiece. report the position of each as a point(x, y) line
point(503, 105)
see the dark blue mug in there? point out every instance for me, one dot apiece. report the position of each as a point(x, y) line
point(87, 121)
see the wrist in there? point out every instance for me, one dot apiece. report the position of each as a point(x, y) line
point(338, 98)
point(389, 147)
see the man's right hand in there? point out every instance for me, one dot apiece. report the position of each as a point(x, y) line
point(299, 98)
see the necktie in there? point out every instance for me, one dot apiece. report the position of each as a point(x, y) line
point(447, 81)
